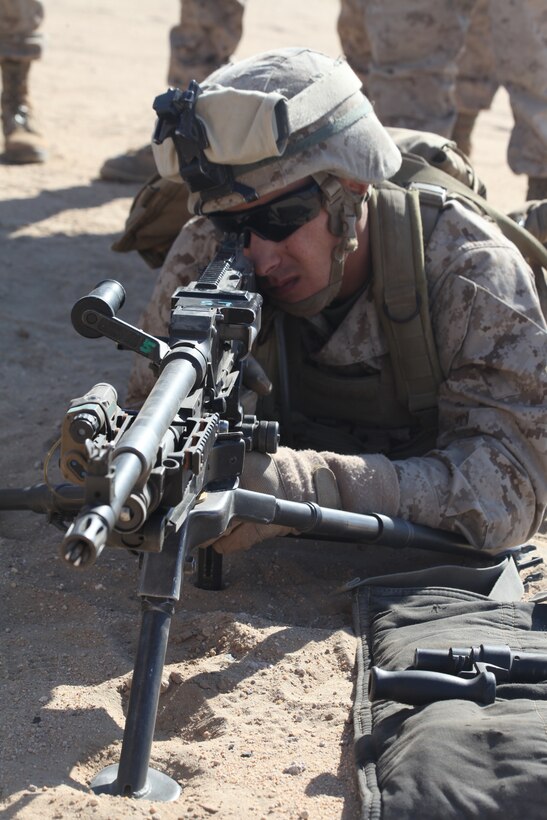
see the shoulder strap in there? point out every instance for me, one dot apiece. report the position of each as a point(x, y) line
point(400, 291)
point(414, 169)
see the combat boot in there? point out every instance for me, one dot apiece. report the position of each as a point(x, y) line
point(135, 166)
point(463, 128)
point(537, 188)
point(23, 143)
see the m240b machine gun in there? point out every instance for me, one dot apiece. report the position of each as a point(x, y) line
point(162, 481)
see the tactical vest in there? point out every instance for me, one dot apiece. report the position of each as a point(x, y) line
point(401, 225)
point(335, 408)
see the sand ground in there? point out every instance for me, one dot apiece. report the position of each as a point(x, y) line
point(255, 720)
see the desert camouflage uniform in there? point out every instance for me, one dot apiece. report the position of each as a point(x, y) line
point(20, 45)
point(475, 84)
point(19, 24)
point(206, 37)
point(415, 47)
point(487, 476)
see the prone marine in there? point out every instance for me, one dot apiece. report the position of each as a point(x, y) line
point(425, 401)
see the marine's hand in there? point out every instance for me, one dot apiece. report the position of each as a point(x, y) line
point(298, 476)
point(361, 484)
point(245, 534)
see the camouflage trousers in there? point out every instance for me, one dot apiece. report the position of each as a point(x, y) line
point(206, 37)
point(475, 81)
point(429, 58)
point(20, 21)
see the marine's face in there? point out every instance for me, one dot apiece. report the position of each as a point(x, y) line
point(298, 265)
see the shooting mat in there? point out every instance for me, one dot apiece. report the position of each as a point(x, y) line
point(453, 758)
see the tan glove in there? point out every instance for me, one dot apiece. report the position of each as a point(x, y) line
point(353, 483)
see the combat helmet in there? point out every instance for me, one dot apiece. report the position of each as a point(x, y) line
point(260, 124)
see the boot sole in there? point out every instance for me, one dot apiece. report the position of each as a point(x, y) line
point(24, 159)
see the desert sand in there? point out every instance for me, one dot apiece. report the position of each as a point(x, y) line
point(255, 718)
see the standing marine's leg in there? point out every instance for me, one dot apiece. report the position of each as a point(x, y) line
point(206, 37)
point(476, 83)
point(415, 45)
point(354, 37)
point(20, 44)
point(519, 31)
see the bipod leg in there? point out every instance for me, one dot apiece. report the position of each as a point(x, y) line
point(159, 588)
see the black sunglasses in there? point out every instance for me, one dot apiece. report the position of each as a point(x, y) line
point(275, 220)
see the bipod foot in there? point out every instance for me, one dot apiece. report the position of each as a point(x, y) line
point(158, 786)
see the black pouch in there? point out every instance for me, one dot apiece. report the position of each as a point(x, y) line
point(451, 758)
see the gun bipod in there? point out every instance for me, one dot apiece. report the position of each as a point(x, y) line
point(159, 589)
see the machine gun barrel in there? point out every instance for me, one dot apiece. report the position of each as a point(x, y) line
point(132, 461)
point(506, 664)
point(310, 518)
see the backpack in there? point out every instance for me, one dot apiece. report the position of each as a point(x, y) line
point(410, 204)
point(433, 170)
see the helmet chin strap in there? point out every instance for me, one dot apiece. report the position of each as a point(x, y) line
point(344, 209)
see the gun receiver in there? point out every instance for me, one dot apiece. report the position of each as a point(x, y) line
point(141, 481)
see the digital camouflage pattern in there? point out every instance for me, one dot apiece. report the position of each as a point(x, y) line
point(415, 46)
point(354, 38)
point(487, 477)
point(206, 37)
point(20, 21)
point(210, 30)
point(475, 82)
